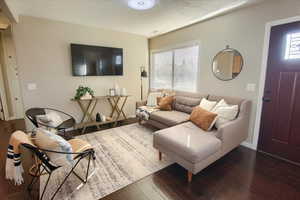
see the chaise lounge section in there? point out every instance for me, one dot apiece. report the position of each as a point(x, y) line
point(187, 144)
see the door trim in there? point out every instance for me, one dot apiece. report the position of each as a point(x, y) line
point(262, 80)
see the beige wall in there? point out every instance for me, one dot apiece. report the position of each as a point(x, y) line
point(243, 30)
point(43, 54)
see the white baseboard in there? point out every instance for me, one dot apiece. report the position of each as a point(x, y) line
point(249, 145)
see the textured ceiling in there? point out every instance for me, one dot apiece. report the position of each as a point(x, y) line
point(166, 16)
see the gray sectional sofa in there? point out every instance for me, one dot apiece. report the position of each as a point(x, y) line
point(187, 144)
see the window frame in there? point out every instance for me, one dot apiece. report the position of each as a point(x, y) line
point(173, 49)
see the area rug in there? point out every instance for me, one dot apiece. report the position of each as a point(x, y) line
point(124, 155)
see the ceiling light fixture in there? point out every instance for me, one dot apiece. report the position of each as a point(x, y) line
point(141, 4)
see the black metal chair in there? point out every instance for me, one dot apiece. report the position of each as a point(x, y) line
point(68, 120)
point(45, 165)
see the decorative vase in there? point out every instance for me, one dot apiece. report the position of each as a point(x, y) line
point(112, 92)
point(103, 118)
point(86, 96)
point(117, 89)
point(98, 117)
point(123, 92)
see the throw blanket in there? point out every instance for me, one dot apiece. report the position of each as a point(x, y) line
point(144, 112)
point(14, 167)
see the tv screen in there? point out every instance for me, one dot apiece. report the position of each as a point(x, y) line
point(96, 60)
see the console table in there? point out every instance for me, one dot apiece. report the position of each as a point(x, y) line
point(88, 106)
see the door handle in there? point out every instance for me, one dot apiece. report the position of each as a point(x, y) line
point(265, 99)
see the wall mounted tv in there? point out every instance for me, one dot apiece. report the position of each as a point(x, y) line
point(96, 60)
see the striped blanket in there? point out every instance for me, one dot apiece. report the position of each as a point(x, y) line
point(13, 168)
point(144, 112)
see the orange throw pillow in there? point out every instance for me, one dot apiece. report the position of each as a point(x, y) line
point(203, 118)
point(158, 99)
point(165, 103)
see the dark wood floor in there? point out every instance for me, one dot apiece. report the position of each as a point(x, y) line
point(240, 175)
point(7, 189)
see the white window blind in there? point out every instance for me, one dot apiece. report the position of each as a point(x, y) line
point(175, 69)
point(161, 70)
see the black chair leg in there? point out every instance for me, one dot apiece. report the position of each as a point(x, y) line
point(90, 156)
point(88, 168)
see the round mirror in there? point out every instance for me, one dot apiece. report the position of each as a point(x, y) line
point(227, 64)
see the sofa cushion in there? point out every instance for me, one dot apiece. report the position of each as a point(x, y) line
point(229, 100)
point(185, 104)
point(188, 141)
point(169, 118)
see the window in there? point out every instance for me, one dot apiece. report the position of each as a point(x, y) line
point(175, 69)
point(292, 49)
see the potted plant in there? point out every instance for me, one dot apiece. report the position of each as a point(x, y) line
point(84, 93)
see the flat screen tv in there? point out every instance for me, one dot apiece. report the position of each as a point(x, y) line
point(96, 60)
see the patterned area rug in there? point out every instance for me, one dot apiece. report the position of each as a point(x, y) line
point(123, 155)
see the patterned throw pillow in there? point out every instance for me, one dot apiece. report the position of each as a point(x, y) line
point(48, 140)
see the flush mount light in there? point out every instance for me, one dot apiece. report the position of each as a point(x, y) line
point(141, 4)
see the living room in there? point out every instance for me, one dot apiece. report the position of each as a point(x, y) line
point(156, 52)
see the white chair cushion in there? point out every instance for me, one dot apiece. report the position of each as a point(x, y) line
point(51, 119)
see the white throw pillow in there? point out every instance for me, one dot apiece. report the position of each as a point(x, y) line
point(207, 105)
point(225, 112)
point(221, 103)
point(51, 119)
point(152, 98)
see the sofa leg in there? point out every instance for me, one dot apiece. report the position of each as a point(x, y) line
point(190, 176)
point(159, 155)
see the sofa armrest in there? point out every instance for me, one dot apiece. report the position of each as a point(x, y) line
point(235, 132)
point(140, 103)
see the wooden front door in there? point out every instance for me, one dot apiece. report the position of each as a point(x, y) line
point(280, 122)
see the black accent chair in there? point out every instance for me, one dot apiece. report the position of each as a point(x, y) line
point(68, 120)
point(45, 165)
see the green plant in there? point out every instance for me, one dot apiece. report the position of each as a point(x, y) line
point(81, 91)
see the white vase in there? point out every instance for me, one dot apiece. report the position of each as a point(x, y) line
point(117, 89)
point(123, 92)
point(86, 96)
point(103, 118)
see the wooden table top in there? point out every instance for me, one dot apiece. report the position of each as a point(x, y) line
point(101, 97)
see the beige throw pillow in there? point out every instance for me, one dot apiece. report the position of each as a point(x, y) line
point(203, 118)
point(207, 105)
